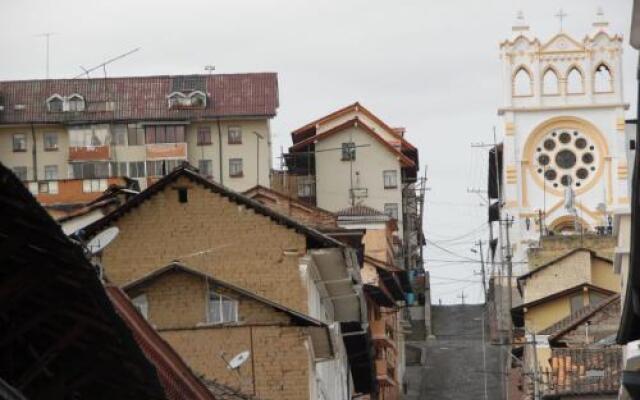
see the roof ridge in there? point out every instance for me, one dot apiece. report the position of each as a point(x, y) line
point(575, 319)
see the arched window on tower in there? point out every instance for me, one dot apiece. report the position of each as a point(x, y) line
point(602, 81)
point(522, 85)
point(550, 83)
point(575, 81)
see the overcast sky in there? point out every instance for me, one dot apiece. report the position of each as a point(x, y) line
point(431, 66)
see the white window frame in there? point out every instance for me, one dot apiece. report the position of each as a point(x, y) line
point(212, 291)
point(50, 168)
point(239, 162)
point(392, 174)
point(395, 206)
point(141, 303)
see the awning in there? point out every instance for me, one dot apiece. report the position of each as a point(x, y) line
point(357, 342)
point(341, 281)
point(379, 295)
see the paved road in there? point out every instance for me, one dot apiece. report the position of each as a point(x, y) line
point(453, 361)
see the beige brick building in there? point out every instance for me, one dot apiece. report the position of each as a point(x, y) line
point(186, 218)
point(140, 127)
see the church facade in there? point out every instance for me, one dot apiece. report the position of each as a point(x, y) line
point(564, 165)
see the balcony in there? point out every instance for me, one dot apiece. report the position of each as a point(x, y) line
point(382, 332)
point(385, 372)
point(166, 150)
point(93, 153)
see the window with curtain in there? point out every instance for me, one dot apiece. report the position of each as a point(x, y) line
point(222, 308)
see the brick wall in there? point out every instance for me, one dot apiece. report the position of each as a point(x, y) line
point(279, 357)
point(211, 234)
point(555, 246)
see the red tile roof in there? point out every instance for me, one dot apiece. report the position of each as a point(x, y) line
point(141, 98)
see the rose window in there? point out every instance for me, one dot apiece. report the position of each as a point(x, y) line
point(566, 157)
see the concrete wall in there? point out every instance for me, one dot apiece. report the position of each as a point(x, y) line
point(335, 177)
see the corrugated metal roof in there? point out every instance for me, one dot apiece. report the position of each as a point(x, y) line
point(140, 98)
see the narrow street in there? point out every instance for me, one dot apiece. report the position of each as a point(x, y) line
point(453, 367)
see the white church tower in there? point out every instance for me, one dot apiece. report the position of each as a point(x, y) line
point(564, 127)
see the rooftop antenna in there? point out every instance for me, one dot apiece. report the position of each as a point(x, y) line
point(47, 36)
point(104, 64)
point(210, 68)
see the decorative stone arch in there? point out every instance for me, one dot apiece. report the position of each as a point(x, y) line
point(594, 76)
point(558, 78)
point(567, 223)
point(570, 123)
point(580, 70)
point(515, 92)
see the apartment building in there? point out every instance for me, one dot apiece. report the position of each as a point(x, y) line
point(139, 127)
point(246, 254)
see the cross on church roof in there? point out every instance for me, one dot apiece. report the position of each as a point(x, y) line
point(561, 16)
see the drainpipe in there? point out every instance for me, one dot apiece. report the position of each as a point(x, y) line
point(34, 156)
point(220, 150)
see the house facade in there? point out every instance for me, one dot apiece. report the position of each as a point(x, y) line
point(139, 127)
point(229, 237)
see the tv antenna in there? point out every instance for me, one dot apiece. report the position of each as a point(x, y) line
point(47, 36)
point(86, 71)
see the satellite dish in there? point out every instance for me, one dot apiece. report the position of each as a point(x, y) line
point(102, 240)
point(238, 360)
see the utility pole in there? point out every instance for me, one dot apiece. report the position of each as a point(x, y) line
point(462, 297)
point(482, 269)
point(536, 388)
point(508, 257)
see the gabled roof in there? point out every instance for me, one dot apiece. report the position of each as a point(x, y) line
point(355, 122)
point(314, 237)
point(296, 317)
point(572, 321)
point(560, 258)
point(562, 293)
point(397, 132)
point(176, 378)
point(141, 98)
point(270, 193)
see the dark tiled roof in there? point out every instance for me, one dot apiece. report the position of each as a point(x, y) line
point(575, 319)
point(141, 98)
point(360, 211)
point(314, 237)
point(222, 392)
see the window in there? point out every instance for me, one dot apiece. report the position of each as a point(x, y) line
point(136, 169)
point(235, 167)
point(90, 169)
point(89, 136)
point(306, 187)
point(235, 135)
point(391, 209)
point(50, 172)
point(119, 135)
point(164, 134)
point(94, 185)
point(162, 167)
point(118, 168)
point(48, 187)
point(575, 82)
point(50, 141)
point(142, 305)
point(550, 83)
point(21, 173)
point(55, 104)
point(577, 302)
point(204, 135)
point(222, 309)
point(348, 151)
point(195, 99)
point(602, 82)
point(19, 142)
point(522, 84)
point(183, 195)
point(76, 103)
point(135, 135)
point(390, 179)
point(206, 168)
